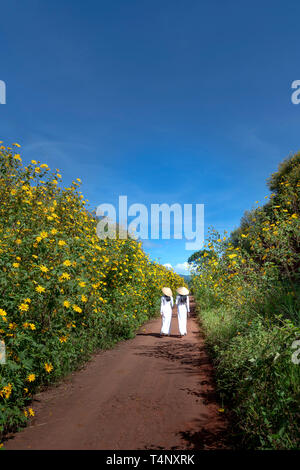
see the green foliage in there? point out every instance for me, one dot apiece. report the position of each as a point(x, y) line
point(248, 299)
point(289, 170)
point(64, 292)
point(197, 259)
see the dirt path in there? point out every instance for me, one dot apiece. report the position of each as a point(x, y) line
point(146, 393)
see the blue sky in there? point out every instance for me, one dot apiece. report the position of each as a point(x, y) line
point(163, 101)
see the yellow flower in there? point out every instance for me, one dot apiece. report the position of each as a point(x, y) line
point(61, 243)
point(31, 412)
point(48, 367)
point(40, 289)
point(44, 234)
point(63, 339)
point(30, 378)
point(33, 162)
point(67, 304)
point(65, 276)
point(76, 308)
point(23, 307)
point(84, 298)
point(67, 262)
point(17, 157)
point(16, 265)
point(6, 391)
point(44, 269)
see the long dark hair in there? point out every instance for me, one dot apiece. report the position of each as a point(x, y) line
point(182, 299)
point(167, 298)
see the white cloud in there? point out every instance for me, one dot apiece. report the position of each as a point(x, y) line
point(180, 268)
point(168, 265)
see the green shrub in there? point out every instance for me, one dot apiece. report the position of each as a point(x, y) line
point(64, 292)
point(247, 291)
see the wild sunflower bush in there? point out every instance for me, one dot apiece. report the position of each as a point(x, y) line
point(64, 292)
point(247, 291)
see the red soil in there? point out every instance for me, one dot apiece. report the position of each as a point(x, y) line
point(146, 393)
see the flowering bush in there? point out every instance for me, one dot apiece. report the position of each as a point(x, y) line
point(64, 292)
point(247, 291)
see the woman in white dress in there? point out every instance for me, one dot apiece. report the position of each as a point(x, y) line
point(183, 308)
point(166, 304)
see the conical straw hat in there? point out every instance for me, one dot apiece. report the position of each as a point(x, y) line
point(183, 291)
point(167, 291)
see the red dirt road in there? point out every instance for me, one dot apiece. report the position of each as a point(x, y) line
point(146, 393)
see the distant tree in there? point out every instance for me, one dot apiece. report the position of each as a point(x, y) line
point(198, 258)
point(288, 170)
point(284, 185)
point(249, 219)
